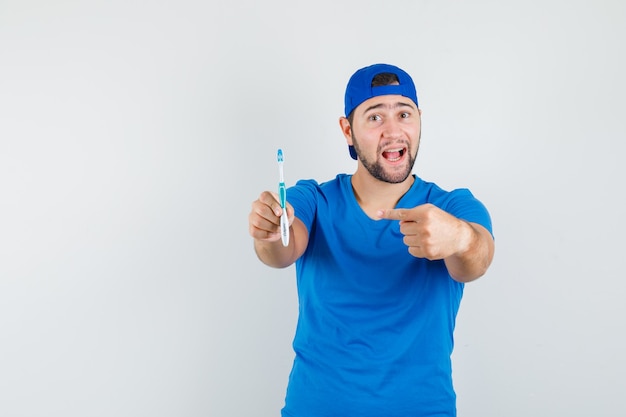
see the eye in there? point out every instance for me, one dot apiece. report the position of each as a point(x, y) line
point(405, 115)
point(375, 117)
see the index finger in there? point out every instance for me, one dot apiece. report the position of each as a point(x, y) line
point(393, 214)
point(271, 199)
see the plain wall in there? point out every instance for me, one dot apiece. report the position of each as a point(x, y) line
point(134, 136)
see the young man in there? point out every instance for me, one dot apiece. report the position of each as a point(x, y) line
point(381, 260)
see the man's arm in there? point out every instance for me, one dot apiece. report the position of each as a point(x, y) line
point(264, 227)
point(472, 260)
point(429, 232)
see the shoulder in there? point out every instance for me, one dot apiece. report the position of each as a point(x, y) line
point(313, 186)
point(435, 194)
point(311, 190)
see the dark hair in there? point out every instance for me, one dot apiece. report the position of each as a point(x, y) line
point(384, 78)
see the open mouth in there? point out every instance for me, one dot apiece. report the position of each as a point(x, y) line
point(393, 155)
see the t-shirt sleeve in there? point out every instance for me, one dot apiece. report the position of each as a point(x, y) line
point(302, 197)
point(462, 204)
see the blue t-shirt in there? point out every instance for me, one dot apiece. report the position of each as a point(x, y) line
point(375, 327)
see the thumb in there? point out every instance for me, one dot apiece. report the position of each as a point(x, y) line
point(392, 214)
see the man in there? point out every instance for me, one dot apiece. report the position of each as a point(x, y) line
point(381, 260)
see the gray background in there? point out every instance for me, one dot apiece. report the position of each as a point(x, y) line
point(134, 136)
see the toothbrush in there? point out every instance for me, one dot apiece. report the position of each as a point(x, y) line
point(282, 192)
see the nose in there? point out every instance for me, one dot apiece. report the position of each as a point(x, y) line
point(392, 128)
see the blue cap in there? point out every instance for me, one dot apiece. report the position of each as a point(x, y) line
point(360, 88)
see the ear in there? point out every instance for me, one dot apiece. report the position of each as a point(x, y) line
point(346, 129)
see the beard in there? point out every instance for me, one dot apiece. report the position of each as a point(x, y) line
point(377, 170)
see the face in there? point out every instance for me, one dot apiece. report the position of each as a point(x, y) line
point(385, 133)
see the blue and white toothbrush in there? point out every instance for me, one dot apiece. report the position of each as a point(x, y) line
point(282, 193)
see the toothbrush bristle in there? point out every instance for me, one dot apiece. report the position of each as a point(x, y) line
point(280, 155)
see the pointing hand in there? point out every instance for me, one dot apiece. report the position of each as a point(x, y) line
point(429, 232)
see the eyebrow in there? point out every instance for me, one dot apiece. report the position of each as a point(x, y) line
point(393, 106)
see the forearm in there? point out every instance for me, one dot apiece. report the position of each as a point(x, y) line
point(472, 261)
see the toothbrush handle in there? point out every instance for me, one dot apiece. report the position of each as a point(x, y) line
point(282, 192)
point(284, 228)
point(284, 219)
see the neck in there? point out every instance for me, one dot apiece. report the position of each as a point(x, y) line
point(373, 194)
